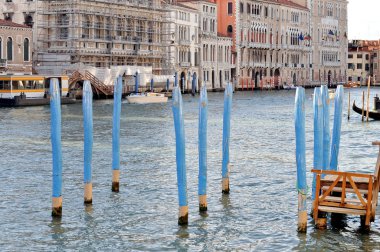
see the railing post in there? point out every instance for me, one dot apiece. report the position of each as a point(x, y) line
point(55, 110)
point(326, 127)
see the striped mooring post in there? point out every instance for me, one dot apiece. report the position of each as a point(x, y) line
point(151, 85)
point(88, 140)
point(226, 139)
point(55, 121)
point(202, 148)
point(301, 158)
point(180, 156)
point(116, 134)
point(338, 114)
point(318, 135)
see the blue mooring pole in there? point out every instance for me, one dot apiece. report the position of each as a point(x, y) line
point(55, 113)
point(226, 139)
point(175, 79)
point(137, 82)
point(193, 84)
point(88, 140)
point(180, 156)
point(151, 85)
point(326, 127)
point(202, 148)
point(167, 85)
point(318, 135)
point(301, 158)
point(116, 134)
point(335, 142)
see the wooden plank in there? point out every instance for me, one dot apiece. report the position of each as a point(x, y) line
point(348, 206)
point(341, 210)
point(348, 190)
point(338, 199)
point(353, 174)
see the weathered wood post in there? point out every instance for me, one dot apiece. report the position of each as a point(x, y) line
point(318, 135)
point(116, 134)
point(301, 159)
point(335, 142)
point(55, 114)
point(151, 85)
point(226, 139)
point(136, 82)
point(363, 107)
point(180, 156)
point(193, 84)
point(88, 140)
point(349, 104)
point(202, 147)
point(368, 91)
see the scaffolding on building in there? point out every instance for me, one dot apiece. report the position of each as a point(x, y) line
point(104, 33)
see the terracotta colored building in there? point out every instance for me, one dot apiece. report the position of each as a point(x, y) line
point(15, 48)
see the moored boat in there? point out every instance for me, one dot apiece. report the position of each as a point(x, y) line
point(373, 114)
point(144, 98)
point(30, 90)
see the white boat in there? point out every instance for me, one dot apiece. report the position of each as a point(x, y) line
point(289, 87)
point(331, 94)
point(143, 98)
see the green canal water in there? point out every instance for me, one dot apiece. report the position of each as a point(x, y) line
point(260, 214)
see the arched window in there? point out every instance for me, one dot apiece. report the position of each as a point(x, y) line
point(229, 29)
point(10, 49)
point(26, 49)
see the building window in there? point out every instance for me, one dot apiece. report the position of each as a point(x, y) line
point(367, 67)
point(10, 49)
point(359, 56)
point(26, 49)
point(241, 7)
point(229, 9)
point(229, 30)
point(1, 48)
point(350, 56)
point(359, 66)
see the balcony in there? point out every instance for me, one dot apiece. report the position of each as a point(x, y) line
point(332, 63)
point(184, 64)
point(184, 42)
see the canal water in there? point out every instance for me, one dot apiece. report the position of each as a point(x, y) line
point(260, 213)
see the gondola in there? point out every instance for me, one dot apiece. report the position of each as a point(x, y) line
point(374, 114)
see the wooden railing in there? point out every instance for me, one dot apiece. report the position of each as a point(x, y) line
point(99, 87)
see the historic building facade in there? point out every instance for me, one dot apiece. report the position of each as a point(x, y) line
point(363, 61)
point(215, 58)
point(328, 28)
point(16, 47)
point(282, 42)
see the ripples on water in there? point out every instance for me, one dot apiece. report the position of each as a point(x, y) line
point(259, 214)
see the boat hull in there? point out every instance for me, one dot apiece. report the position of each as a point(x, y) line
point(141, 99)
point(23, 102)
point(375, 115)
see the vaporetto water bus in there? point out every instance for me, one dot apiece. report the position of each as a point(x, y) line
point(30, 90)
